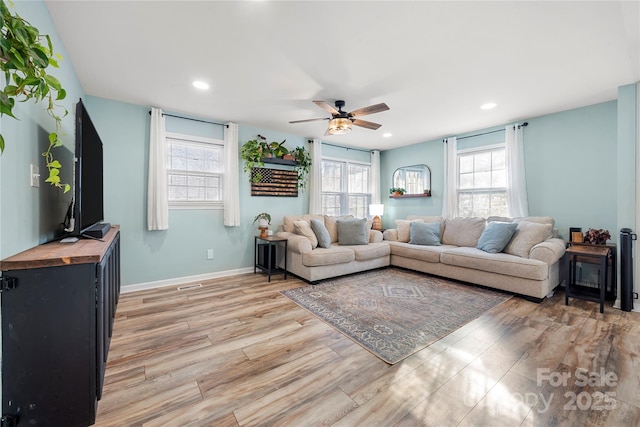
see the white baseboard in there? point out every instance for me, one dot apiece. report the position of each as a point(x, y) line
point(182, 280)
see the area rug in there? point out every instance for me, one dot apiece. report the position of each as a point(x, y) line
point(394, 313)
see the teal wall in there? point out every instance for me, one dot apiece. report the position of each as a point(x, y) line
point(570, 160)
point(29, 216)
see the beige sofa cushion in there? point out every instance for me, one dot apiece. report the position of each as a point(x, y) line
point(287, 221)
point(499, 263)
point(418, 252)
point(463, 231)
point(304, 229)
point(331, 224)
point(527, 235)
point(334, 255)
point(370, 251)
point(404, 229)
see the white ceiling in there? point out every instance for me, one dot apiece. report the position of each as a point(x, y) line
point(433, 63)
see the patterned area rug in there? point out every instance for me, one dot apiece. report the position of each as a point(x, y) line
point(393, 313)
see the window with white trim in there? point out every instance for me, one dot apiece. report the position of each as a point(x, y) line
point(482, 182)
point(345, 188)
point(194, 172)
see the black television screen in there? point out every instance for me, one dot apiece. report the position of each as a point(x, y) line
point(88, 186)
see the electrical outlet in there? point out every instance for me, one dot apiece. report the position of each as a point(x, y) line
point(209, 253)
point(34, 176)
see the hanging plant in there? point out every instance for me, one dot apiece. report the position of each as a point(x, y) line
point(24, 59)
point(303, 165)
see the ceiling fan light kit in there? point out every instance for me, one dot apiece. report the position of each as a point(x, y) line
point(341, 121)
point(339, 126)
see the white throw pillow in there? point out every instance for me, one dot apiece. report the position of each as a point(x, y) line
point(527, 235)
point(304, 228)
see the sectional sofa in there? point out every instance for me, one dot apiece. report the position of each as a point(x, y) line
point(528, 265)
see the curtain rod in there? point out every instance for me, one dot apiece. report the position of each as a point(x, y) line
point(195, 120)
point(493, 131)
point(310, 141)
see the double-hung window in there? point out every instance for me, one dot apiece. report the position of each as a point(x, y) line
point(482, 182)
point(195, 172)
point(345, 188)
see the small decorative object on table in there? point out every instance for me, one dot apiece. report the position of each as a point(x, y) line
point(597, 236)
point(377, 210)
point(264, 219)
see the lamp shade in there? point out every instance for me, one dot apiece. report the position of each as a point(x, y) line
point(376, 210)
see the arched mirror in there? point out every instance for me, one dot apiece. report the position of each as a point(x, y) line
point(415, 180)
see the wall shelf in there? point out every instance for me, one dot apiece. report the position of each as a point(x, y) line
point(409, 196)
point(278, 161)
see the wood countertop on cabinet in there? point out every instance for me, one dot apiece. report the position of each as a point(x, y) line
point(56, 253)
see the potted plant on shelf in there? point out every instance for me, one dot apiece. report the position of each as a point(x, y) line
point(252, 152)
point(264, 220)
point(303, 165)
point(24, 59)
point(397, 191)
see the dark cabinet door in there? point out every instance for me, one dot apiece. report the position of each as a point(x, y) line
point(49, 346)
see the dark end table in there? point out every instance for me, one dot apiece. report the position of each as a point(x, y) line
point(264, 255)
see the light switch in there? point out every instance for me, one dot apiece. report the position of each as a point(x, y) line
point(35, 176)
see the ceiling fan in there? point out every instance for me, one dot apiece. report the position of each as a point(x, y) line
point(340, 121)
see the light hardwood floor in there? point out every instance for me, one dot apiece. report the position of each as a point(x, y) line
point(237, 353)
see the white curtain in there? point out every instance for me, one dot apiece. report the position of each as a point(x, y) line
point(516, 179)
point(315, 187)
point(157, 188)
point(375, 177)
point(449, 196)
point(231, 181)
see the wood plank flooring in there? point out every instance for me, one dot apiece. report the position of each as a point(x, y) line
point(237, 353)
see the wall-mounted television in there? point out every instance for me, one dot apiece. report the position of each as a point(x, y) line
point(88, 197)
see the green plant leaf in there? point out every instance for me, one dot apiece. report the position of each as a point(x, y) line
point(53, 82)
point(55, 164)
point(39, 58)
point(11, 90)
point(62, 94)
point(67, 187)
point(1, 144)
point(52, 137)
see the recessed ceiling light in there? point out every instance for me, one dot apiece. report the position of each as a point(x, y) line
point(488, 106)
point(387, 135)
point(201, 85)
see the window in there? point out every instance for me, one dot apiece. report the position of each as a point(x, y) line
point(345, 188)
point(194, 167)
point(482, 182)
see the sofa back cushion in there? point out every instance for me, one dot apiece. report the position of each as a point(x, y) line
point(353, 231)
point(527, 235)
point(463, 231)
point(496, 236)
point(425, 233)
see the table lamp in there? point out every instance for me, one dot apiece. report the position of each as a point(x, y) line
point(377, 211)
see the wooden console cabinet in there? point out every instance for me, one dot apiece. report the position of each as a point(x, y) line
point(58, 305)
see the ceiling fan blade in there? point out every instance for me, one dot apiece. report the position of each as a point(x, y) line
point(366, 124)
point(326, 107)
point(371, 109)
point(309, 120)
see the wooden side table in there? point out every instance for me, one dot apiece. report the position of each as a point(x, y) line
point(588, 253)
point(269, 261)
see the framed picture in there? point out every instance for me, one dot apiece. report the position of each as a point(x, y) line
point(575, 235)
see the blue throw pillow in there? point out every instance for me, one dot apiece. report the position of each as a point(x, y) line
point(424, 233)
point(353, 231)
point(496, 236)
point(321, 232)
